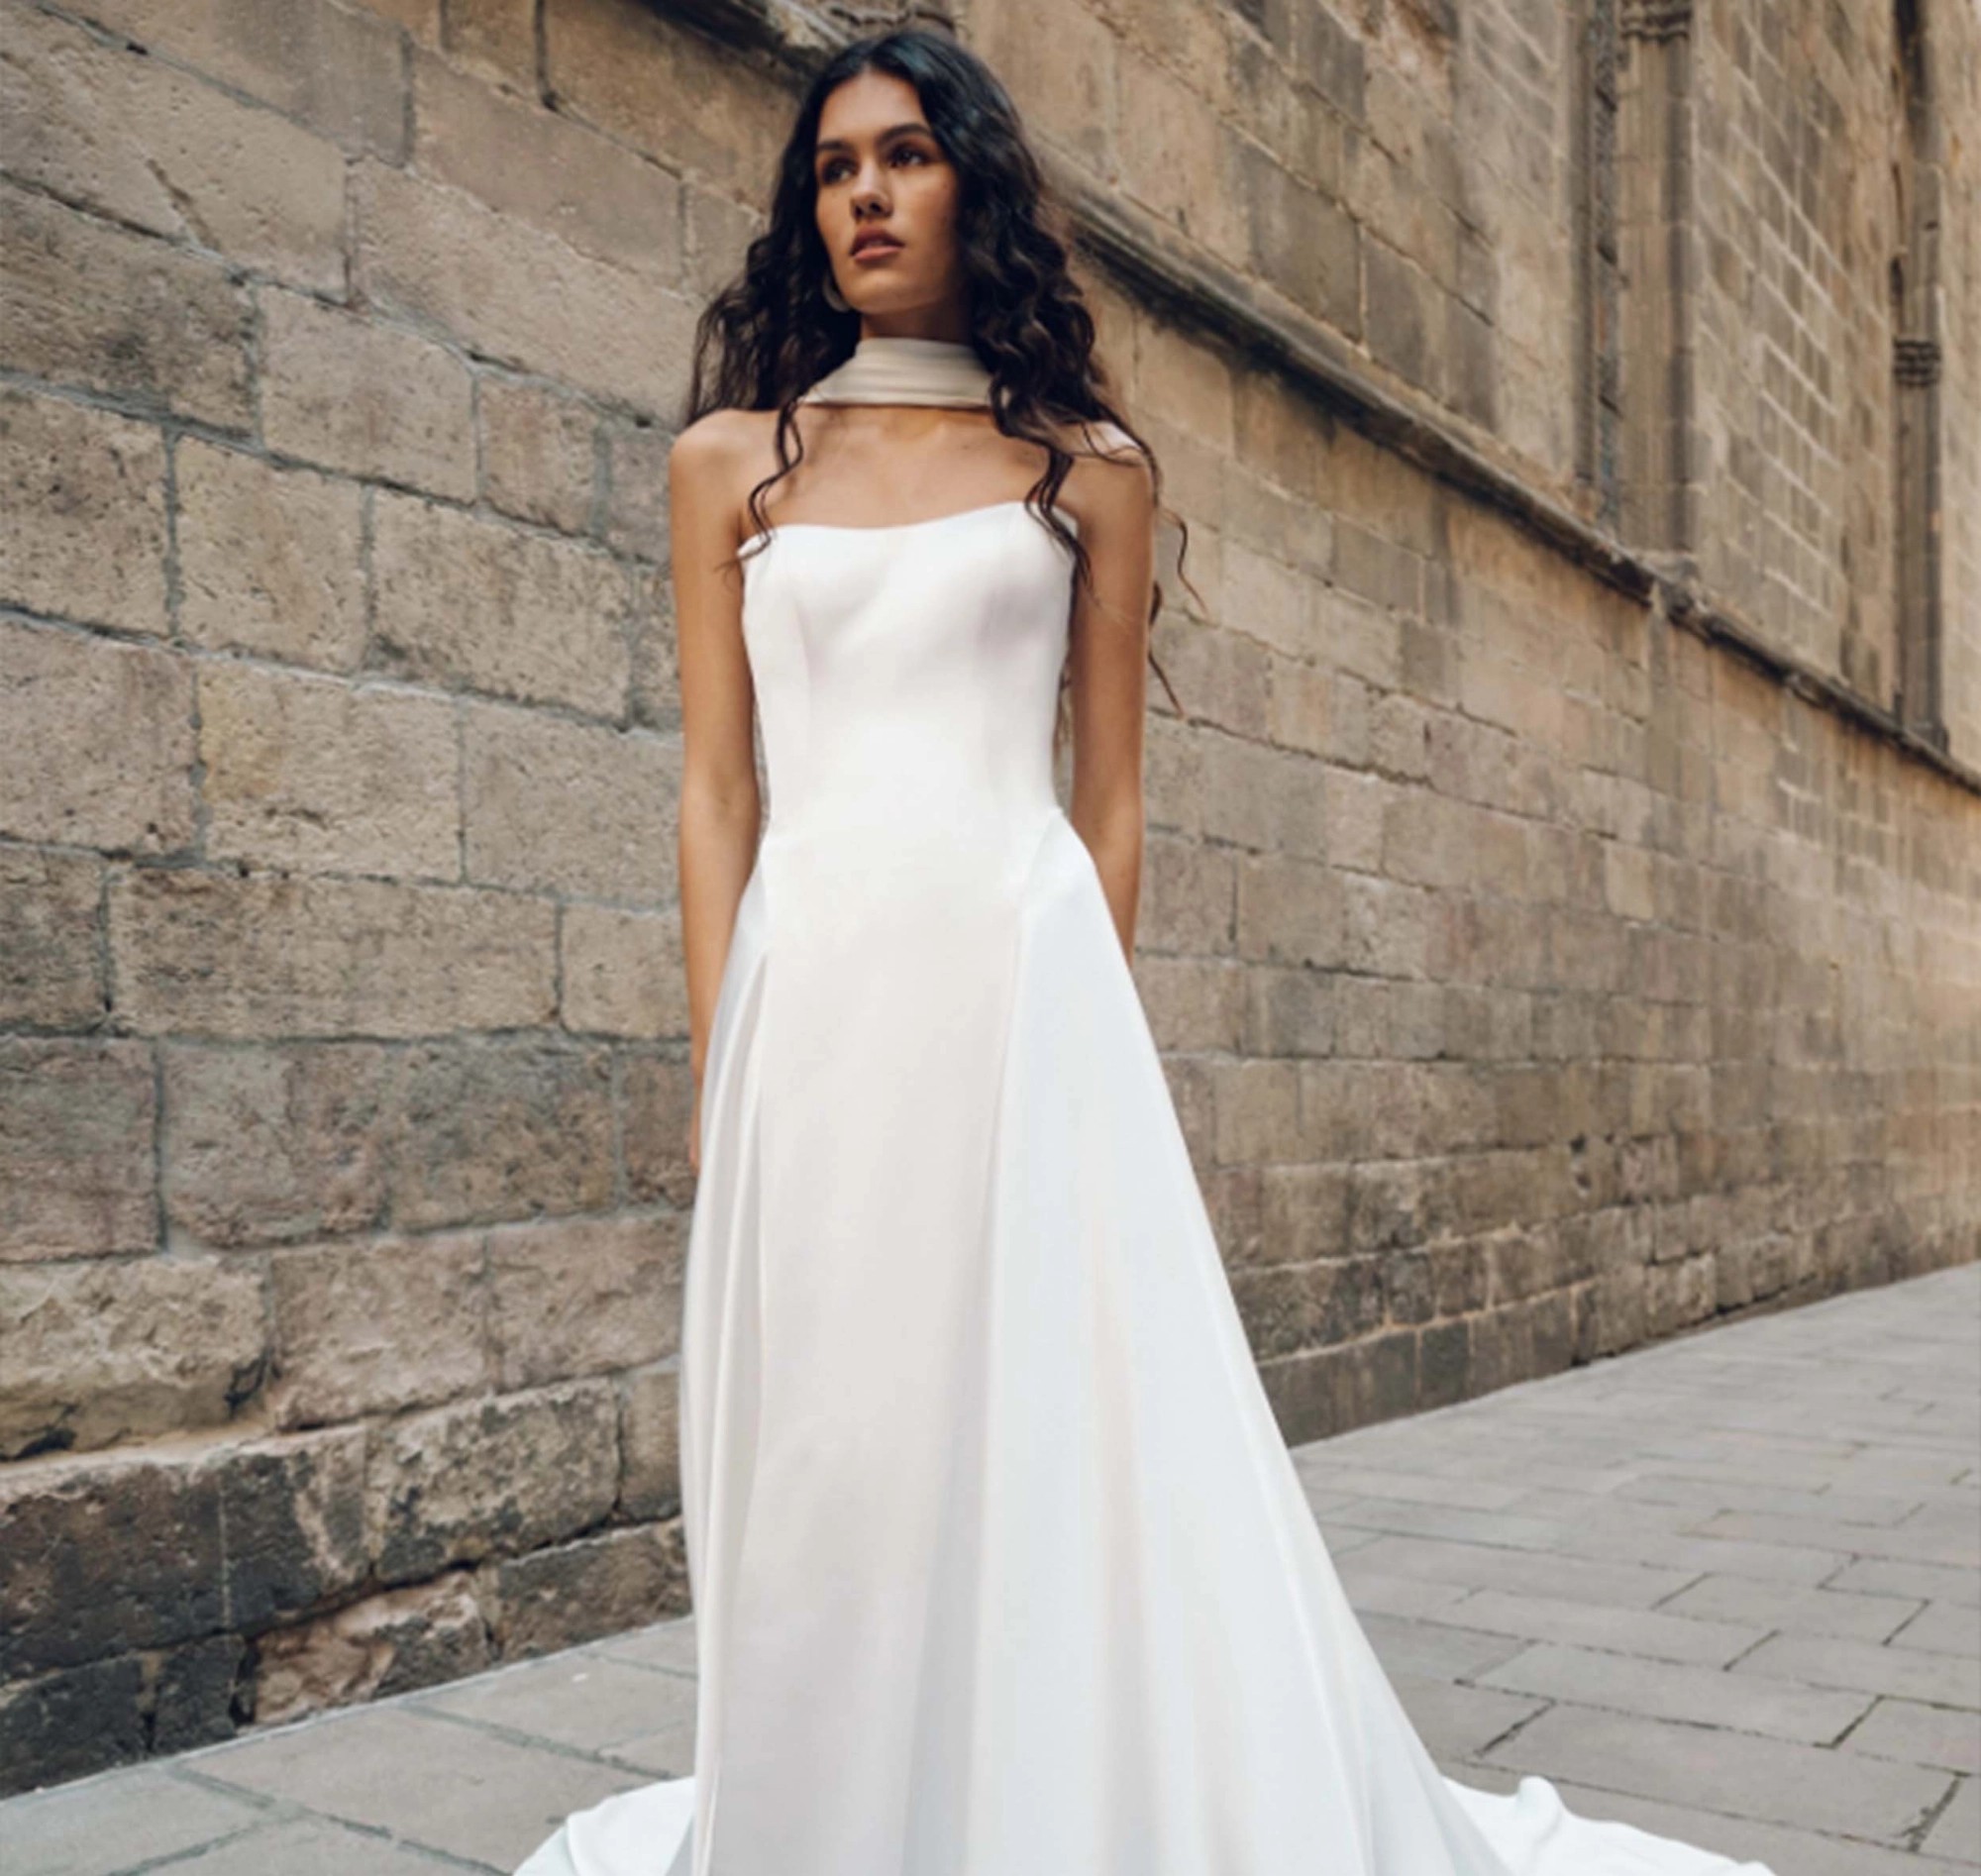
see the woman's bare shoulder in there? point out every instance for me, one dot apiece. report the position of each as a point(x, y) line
point(1110, 483)
point(714, 462)
point(717, 441)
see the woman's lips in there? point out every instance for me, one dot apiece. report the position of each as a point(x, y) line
point(876, 251)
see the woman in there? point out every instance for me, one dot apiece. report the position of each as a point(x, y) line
point(1000, 1565)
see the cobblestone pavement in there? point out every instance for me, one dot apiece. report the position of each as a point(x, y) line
point(1728, 1588)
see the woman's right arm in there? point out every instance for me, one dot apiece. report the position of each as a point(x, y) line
point(720, 810)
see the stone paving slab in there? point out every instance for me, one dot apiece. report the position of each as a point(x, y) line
point(1726, 1587)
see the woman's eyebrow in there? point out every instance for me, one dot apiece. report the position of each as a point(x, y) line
point(892, 130)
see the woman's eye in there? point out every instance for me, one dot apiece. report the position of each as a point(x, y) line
point(832, 170)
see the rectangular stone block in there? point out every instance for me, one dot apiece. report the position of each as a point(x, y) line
point(585, 1296)
point(368, 398)
point(270, 558)
point(570, 807)
point(84, 302)
point(662, 89)
point(85, 495)
point(294, 1523)
point(622, 972)
point(497, 1477)
point(650, 1442)
point(521, 296)
point(336, 69)
point(50, 940)
point(99, 748)
point(501, 1129)
point(539, 454)
point(376, 1328)
point(91, 1354)
point(250, 958)
point(385, 1645)
point(1265, 799)
point(72, 1723)
point(474, 605)
point(657, 1096)
point(105, 1555)
point(147, 143)
point(307, 775)
point(276, 1143)
point(77, 1166)
point(542, 169)
point(598, 1586)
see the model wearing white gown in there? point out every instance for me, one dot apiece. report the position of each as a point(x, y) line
point(1001, 1566)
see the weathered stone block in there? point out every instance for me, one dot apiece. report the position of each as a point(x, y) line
point(656, 1095)
point(598, 1586)
point(146, 142)
point(273, 1144)
point(51, 939)
point(85, 496)
point(94, 1353)
point(622, 972)
point(492, 1478)
point(295, 1512)
point(496, 39)
point(500, 1130)
point(637, 519)
point(84, 302)
point(662, 90)
point(334, 69)
point(570, 807)
point(476, 604)
point(656, 654)
point(1304, 245)
point(583, 1295)
point(366, 1329)
point(99, 745)
point(306, 774)
point(102, 1556)
point(1192, 1003)
point(76, 1168)
point(256, 957)
point(270, 558)
point(517, 294)
point(363, 397)
point(195, 1697)
point(536, 167)
point(538, 452)
point(72, 1723)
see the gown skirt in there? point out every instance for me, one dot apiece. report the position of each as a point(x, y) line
point(1001, 1566)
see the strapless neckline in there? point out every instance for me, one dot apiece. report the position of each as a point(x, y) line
point(896, 527)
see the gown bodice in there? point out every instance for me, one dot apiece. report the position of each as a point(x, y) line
point(907, 676)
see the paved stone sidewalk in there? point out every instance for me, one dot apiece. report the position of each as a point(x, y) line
point(1728, 1588)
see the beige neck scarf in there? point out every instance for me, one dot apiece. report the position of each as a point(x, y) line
point(884, 371)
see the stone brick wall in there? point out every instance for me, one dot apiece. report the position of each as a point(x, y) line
point(1550, 949)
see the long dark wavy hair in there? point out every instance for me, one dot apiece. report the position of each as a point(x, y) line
point(769, 335)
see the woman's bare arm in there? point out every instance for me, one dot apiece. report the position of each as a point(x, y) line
point(1110, 675)
point(720, 809)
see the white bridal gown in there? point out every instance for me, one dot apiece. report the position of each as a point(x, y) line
point(1001, 1566)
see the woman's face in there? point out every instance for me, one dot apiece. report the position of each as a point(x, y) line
point(881, 171)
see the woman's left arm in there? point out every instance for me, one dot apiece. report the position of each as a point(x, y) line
point(1110, 667)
